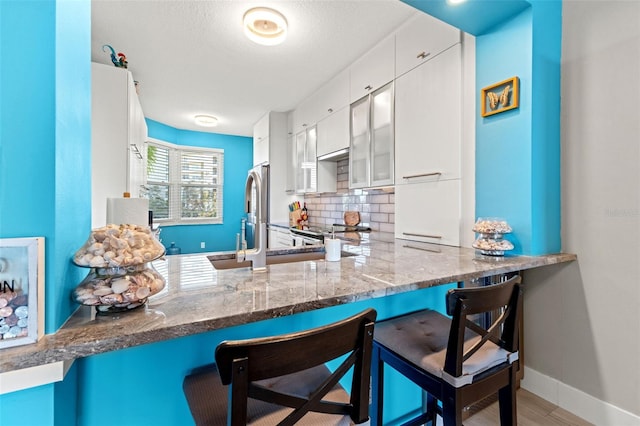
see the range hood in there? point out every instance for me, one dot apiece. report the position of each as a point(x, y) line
point(335, 156)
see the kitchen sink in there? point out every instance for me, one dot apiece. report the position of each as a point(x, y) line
point(274, 257)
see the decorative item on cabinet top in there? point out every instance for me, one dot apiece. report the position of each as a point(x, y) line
point(119, 60)
point(500, 97)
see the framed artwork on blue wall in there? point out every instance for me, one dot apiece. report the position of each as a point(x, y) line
point(21, 291)
point(500, 97)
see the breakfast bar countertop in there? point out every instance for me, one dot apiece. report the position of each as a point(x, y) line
point(198, 298)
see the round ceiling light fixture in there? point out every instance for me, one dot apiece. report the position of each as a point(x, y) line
point(265, 26)
point(206, 120)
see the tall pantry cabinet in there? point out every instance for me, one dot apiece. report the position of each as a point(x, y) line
point(428, 124)
point(118, 139)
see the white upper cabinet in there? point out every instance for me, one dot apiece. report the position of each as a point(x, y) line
point(118, 138)
point(261, 141)
point(428, 120)
point(373, 70)
point(371, 151)
point(421, 39)
point(332, 97)
point(333, 132)
point(306, 162)
point(303, 116)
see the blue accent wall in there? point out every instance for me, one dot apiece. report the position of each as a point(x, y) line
point(504, 141)
point(45, 158)
point(545, 131)
point(152, 375)
point(46, 137)
point(238, 159)
point(45, 191)
point(517, 151)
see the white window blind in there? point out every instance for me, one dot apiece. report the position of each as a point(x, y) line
point(185, 184)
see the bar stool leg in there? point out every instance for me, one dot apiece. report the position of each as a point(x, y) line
point(377, 386)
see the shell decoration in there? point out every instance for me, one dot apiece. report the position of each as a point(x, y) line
point(114, 246)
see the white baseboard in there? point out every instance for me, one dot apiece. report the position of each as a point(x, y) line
point(577, 402)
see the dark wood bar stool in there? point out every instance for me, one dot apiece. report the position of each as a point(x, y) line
point(456, 361)
point(283, 380)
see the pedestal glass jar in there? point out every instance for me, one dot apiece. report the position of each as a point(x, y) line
point(121, 275)
point(120, 288)
point(490, 240)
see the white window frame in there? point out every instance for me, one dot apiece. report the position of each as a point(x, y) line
point(175, 184)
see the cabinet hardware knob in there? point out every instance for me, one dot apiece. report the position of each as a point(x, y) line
point(423, 55)
point(368, 87)
point(330, 110)
point(422, 175)
point(412, 234)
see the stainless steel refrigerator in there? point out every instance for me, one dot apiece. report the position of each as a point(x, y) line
point(261, 173)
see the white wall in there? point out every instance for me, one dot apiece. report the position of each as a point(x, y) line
point(582, 321)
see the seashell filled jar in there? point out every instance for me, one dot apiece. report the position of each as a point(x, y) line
point(121, 276)
point(490, 240)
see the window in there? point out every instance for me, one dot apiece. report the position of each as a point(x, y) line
point(184, 184)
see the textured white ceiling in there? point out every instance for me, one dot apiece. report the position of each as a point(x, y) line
point(192, 57)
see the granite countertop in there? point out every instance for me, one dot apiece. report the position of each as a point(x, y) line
point(198, 298)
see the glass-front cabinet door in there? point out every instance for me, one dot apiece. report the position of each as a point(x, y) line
point(309, 165)
point(382, 140)
point(371, 150)
point(359, 144)
point(305, 154)
point(301, 140)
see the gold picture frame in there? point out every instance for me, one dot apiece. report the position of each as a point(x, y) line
point(500, 97)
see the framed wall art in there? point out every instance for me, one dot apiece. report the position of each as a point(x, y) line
point(500, 97)
point(21, 291)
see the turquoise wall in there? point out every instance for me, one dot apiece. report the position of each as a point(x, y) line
point(152, 375)
point(545, 132)
point(517, 151)
point(522, 146)
point(45, 191)
point(45, 157)
point(504, 140)
point(238, 159)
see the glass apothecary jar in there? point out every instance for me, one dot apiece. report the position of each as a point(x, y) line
point(490, 240)
point(121, 277)
point(119, 289)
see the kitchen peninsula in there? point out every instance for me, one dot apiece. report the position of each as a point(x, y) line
point(198, 298)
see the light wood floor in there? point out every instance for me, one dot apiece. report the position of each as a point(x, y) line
point(532, 411)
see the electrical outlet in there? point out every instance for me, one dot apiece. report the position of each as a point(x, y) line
point(201, 244)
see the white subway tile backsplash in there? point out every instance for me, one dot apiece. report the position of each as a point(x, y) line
point(386, 208)
point(380, 199)
point(387, 227)
point(380, 217)
point(376, 206)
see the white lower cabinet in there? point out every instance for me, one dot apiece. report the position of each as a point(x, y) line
point(279, 237)
point(428, 211)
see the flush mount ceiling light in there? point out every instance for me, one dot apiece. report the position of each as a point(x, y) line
point(206, 120)
point(454, 2)
point(265, 26)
